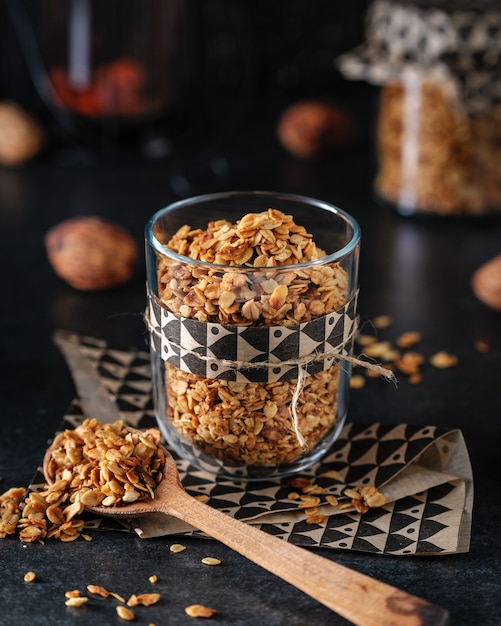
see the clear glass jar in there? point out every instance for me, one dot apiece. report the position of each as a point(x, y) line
point(438, 66)
point(426, 150)
point(432, 157)
point(155, 76)
point(251, 350)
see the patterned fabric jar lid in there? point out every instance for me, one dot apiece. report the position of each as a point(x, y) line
point(457, 41)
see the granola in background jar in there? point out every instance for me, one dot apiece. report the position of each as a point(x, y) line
point(251, 317)
point(438, 125)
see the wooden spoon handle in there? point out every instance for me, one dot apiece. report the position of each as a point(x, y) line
point(358, 598)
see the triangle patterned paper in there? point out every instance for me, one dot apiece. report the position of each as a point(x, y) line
point(432, 521)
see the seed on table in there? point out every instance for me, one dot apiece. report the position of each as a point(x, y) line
point(125, 613)
point(177, 547)
point(209, 560)
point(199, 610)
point(76, 601)
point(98, 590)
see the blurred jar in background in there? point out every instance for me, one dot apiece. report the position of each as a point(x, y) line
point(102, 65)
point(141, 74)
point(438, 131)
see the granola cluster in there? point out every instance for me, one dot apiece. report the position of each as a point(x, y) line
point(311, 497)
point(250, 423)
point(265, 297)
point(94, 465)
point(107, 464)
point(440, 161)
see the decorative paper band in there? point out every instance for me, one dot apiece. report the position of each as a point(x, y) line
point(250, 353)
point(457, 41)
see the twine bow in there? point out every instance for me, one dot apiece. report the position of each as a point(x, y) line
point(336, 353)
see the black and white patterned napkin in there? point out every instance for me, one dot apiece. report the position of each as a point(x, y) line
point(424, 473)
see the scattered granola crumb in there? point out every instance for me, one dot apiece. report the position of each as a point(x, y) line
point(381, 350)
point(153, 579)
point(209, 560)
point(98, 590)
point(76, 601)
point(399, 357)
point(199, 610)
point(365, 498)
point(357, 381)
point(481, 345)
point(203, 497)
point(313, 490)
point(10, 512)
point(382, 321)
point(316, 518)
point(308, 502)
point(29, 577)
point(144, 599)
point(409, 339)
point(353, 494)
point(366, 340)
point(345, 505)
point(300, 482)
point(330, 474)
point(443, 360)
point(117, 597)
point(125, 613)
point(177, 547)
point(311, 512)
point(409, 363)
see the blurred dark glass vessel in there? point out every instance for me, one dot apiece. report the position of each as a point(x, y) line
point(154, 75)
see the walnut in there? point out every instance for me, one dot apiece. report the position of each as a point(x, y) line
point(312, 129)
point(486, 283)
point(21, 137)
point(91, 254)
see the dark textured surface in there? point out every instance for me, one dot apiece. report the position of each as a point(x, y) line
point(417, 271)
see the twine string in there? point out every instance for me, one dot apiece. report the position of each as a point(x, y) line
point(302, 363)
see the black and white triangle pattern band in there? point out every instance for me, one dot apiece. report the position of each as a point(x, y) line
point(250, 353)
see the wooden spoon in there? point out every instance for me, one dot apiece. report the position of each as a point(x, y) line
point(358, 598)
